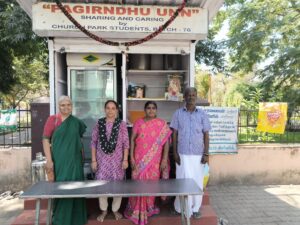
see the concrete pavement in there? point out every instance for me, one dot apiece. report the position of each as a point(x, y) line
point(257, 205)
point(9, 210)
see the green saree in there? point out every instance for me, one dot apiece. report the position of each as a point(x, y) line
point(68, 166)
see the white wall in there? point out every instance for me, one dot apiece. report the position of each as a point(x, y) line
point(254, 164)
point(15, 169)
point(257, 164)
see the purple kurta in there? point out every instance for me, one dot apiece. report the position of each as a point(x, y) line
point(110, 165)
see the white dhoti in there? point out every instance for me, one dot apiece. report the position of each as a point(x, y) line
point(190, 167)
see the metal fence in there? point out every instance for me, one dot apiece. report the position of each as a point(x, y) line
point(22, 135)
point(247, 129)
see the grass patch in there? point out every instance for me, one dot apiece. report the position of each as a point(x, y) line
point(250, 135)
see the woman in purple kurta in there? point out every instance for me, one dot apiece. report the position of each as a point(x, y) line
point(110, 146)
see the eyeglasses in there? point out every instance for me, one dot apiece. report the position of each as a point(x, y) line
point(151, 107)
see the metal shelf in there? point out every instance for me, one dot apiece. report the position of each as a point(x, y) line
point(154, 72)
point(151, 99)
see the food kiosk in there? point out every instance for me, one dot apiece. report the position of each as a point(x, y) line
point(133, 51)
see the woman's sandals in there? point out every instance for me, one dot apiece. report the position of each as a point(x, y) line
point(102, 216)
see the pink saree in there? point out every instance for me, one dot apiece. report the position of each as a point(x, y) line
point(151, 137)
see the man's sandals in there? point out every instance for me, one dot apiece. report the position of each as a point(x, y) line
point(118, 215)
point(102, 216)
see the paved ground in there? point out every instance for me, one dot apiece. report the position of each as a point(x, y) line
point(9, 210)
point(257, 205)
point(236, 205)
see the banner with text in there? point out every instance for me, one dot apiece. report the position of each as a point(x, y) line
point(223, 136)
point(8, 120)
point(272, 117)
point(118, 18)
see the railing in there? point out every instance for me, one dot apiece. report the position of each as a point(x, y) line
point(246, 132)
point(247, 129)
point(22, 135)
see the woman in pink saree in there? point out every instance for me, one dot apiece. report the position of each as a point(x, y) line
point(150, 149)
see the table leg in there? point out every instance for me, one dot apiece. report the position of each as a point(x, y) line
point(182, 208)
point(37, 211)
point(49, 212)
point(188, 222)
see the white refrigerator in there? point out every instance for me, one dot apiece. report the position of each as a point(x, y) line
point(89, 89)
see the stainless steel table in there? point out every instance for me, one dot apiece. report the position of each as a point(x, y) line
point(95, 189)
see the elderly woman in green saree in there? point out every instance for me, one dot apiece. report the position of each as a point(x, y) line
point(63, 150)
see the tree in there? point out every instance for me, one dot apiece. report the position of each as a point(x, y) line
point(231, 90)
point(6, 72)
point(264, 38)
point(202, 83)
point(218, 89)
point(253, 98)
point(16, 40)
point(211, 53)
point(30, 79)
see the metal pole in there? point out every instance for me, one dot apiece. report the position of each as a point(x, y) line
point(182, 207)
point(19, 126)
point(37, 211)
point(49, 212)
point(188, 222)
point(124, 94)
point(192, 64)
point(52, 76)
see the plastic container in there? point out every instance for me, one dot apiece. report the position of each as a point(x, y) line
point(206, 175)
point(38, 171)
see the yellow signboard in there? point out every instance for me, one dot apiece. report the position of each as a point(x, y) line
point(272, 117)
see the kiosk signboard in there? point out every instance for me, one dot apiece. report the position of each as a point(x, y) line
point(47, 17)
